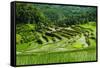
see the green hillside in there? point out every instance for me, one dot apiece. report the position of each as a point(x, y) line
point(55, 34)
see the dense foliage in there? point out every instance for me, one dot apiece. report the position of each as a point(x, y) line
point(44, 15)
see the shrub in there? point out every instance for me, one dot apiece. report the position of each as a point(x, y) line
point(18, 38)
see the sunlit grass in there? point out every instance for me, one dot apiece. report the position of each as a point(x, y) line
point(59, 57)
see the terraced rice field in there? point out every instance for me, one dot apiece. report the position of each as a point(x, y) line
point(64, 44)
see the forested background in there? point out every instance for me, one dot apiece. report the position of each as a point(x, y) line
point(54, 14)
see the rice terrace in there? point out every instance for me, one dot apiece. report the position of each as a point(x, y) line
point(48, 33)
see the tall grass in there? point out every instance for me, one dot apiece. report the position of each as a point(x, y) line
point(57, 57)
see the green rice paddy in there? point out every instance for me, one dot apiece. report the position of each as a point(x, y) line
point(62, 45)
